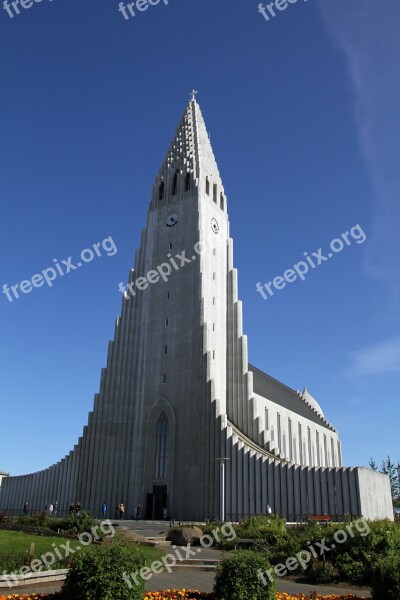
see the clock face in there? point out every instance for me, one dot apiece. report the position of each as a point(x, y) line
point(172, 219)
point(214, 225)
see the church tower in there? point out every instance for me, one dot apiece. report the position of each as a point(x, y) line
point(178, 393)
point(165, 384)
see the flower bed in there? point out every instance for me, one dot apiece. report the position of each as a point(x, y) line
point(195, 595)
point(18, 597)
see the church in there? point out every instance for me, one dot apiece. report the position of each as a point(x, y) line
point(178, 394)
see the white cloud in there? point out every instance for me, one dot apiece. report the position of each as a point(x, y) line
point(376, 359)
point(367, 31)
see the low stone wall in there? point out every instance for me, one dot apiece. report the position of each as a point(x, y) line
point(42, 577)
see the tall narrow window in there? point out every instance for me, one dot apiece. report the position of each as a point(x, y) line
point(215, 192)
point(165, 350)
point(187, 182)
point(175, 184)
point(272, 434)
point(279, 431)
point(171, 245)
point(168, 295)
point(161, 447)
point(207, 186)
point(284, 445)
point(161, 191)
point(266, 419)
point(294, 450)
point(301, 456)
point(166, 323)
point(222, 201)
point(164, 378)
point(305, 459)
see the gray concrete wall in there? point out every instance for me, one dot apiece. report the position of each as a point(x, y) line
point(375, 495)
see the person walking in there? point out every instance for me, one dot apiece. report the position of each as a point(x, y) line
point(139, 512)
point(25, 509)
point(55, 508)
point(78, 508)
point(104, 510)
point(51, 509)
point(71, 509)
point(122, 511)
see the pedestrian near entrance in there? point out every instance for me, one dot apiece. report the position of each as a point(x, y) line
point(104, 510)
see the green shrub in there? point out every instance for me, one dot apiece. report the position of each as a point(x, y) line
point(13, 561)
point(238, 578)
point(39, 520)
point(271, 528)
point(98, 574)
point(350, 570)
point(320, 572)
point(74, 524)
point(386, 579)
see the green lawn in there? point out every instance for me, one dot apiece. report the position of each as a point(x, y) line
point(16, 541)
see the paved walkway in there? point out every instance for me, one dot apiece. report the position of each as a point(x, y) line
point(203, 581)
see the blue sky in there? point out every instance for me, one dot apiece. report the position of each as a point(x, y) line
point(303, 116)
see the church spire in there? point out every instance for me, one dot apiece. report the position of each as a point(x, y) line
point(190, 157)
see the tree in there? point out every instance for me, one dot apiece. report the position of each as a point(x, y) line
point(389, 468)
point(373, 464)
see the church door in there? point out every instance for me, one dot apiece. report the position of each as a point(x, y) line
point(160, 501)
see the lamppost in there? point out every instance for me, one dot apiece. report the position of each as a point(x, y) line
point(222, 487)
point(398, 481)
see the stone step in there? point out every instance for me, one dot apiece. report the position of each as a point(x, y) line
point(184, 567)
point(159, 544)
point(200, 561)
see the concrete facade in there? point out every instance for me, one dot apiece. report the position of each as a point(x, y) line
point(2, 476)
point(178, 392)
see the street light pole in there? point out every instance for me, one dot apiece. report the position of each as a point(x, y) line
point(222, 487)
point(398, 482)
